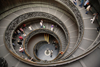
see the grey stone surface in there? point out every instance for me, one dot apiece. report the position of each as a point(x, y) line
point(11, 17)
point(90, 34)
point(3, 51)
point(21, 64)
point(11, 60)
point(4, 22)
point(36, 9)
point(78, 52)
point(19, 12)
point(51, 11)
point(2, 31)
point(85, 43)
point(93, 59)
point(28, 9)
point(44, 9)
point(74, 64)
point(87, 24)
point(1, 40)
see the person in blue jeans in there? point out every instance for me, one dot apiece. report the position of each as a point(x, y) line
point(82, 1)
point(98, 29)
point(87, 9)
point(75, 2)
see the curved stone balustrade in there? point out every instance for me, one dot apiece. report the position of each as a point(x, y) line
point(81, 28)
point(37, 46)
point(31, 15)
point(17, 21)
point(68, 4)
point(38, 31)
point(96, 42)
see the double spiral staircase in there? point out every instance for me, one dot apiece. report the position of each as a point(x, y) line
point(76, 36)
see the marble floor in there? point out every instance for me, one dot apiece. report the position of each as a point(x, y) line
point(43, 54)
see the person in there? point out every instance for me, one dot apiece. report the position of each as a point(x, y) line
point(21, 38)
point(21, 30)
point(13, 45)
point(56, 47)
point(52, 27)
point(41, 24)
point(21, 50)
point(48, 42)
point(19, 42)
point(86, 3)
point(98, 28)
point(95, 16)
point(30, 27)
point(54, 42)
point(15, 34)
point(13, 39)
point(24, 35)
point(82, 1)
point(87, 9)
point(26, 58)
point(18, 32)
point(51, 53)
point(24, 26)
point(75, 2)
point(61, 52)
point(31, 59)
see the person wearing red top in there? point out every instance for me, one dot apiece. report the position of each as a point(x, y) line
point(24, 26)
point(21, 50)
point(21, 38)
point(21, 30)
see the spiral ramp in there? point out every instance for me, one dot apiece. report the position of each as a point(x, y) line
point(83, 56)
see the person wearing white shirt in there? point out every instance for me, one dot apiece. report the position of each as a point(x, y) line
point(41, 24)
point(30, 27)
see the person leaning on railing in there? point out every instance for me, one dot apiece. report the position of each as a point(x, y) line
point(61, 52)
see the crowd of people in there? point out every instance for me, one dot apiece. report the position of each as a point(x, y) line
point(20, 34)
point(88, 8)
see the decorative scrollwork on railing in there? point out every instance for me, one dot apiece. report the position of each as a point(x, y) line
point(79, 20)
point(17, 21)
point(76, 13)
